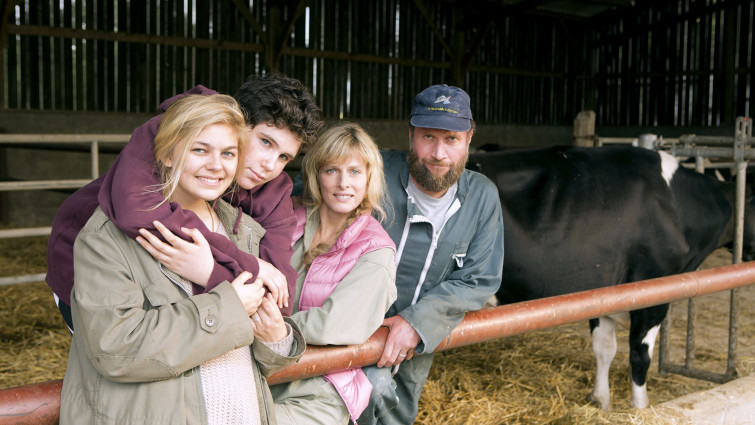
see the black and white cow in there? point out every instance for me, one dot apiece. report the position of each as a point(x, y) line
point(581, 218)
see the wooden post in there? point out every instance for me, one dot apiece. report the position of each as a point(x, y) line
point(272, 55)
point(584, 129)
point(457, 72)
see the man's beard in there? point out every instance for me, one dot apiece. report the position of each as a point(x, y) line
point(425, 178)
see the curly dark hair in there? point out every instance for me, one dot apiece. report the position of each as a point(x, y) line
point(284, 102)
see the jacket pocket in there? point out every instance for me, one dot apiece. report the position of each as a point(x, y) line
point(456, 259)
point(159, 291)
point(459, 253)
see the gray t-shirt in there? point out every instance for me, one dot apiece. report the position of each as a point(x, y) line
point(432, 208)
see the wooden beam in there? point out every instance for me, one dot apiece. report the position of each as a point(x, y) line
point(280, 40)
point(517, 71)
point(457, 73)
point(475, 45)
point(488, 16)
point(386, 60)
point(426, 14)
point(8, 6)
point(35, 30)
point(301, 7)
point(42, 31)
point(273, 23)
point(251, 20)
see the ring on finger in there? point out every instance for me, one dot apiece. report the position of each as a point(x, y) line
point(256, 317)
point(402, 355)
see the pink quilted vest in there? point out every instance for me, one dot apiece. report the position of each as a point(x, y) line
point(364, 235)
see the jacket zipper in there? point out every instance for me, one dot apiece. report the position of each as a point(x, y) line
point(436, 236)
point(160, 266)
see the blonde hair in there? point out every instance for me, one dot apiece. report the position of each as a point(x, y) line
point(335, 145)
point(181, 124)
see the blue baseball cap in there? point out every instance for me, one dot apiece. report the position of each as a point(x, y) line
point(442, 107)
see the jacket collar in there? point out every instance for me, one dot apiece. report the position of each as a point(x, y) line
point(229, 216)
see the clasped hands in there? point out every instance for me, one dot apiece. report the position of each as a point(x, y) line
point(193, 261)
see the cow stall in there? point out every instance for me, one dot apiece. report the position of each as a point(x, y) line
point(708, 152)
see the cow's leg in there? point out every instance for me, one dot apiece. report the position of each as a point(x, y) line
point(603, 332)
point(642, 335)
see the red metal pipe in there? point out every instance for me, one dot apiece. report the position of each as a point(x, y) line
point(35, 404)
point(29, 405)
point(513, 319)
point(517, 318)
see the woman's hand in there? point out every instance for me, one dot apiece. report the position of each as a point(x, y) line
point(275, 282)
point(267, 321)
point(250, 295)
point(191, 260)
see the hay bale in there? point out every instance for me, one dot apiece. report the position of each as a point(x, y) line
point(34, 336)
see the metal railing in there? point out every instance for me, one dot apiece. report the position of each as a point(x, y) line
point(738, 148)
point(50, 141)
point(730, 152)
point(40, 403)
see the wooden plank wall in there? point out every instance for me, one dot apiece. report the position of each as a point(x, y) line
point(683, 63)
point(680, 63)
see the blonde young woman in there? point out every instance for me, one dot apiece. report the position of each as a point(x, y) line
point(146, 348)
point(346, 270)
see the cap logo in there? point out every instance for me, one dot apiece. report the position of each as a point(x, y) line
point(443, 99)
point(443, 107)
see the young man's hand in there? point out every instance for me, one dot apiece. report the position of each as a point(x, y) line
point(251, 295)
point(275, 282)
point(268, 323)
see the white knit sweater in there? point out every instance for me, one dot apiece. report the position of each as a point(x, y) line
point(230, 395)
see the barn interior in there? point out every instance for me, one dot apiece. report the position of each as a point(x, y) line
point(530, 66)
point(77, 76)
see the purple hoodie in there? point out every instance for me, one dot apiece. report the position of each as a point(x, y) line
point(122, 195)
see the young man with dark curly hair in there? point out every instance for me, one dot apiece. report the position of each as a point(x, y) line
point(282, 117)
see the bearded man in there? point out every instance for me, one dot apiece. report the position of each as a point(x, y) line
point(448, 230)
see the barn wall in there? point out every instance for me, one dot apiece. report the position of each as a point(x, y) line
point(669, 68)
point(675, 64)
point(362, 60)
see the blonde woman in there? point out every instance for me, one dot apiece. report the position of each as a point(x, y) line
point(346, 270)
point(146, 348)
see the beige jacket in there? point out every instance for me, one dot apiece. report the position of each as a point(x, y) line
point(140, 338)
